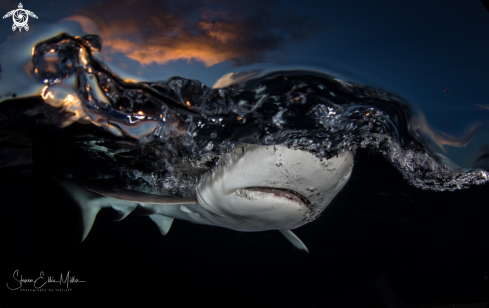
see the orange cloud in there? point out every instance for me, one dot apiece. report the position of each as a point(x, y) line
point(162, 53)
point(208, 31)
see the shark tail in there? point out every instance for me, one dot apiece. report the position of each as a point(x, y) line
point(91, 203)
point(87, 201)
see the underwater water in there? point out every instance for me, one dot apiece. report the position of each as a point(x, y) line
point(409, 228)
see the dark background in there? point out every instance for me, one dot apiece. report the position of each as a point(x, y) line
point(377, 234)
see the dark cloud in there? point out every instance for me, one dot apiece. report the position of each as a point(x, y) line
point(9, 5)
point(207, 31)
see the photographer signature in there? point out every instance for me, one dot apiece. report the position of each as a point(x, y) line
point(41, 281)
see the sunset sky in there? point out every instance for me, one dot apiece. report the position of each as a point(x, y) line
point(414, 49)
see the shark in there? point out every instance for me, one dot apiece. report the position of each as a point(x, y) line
point(252, 188)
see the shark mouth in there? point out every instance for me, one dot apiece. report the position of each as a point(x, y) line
point(278, 192)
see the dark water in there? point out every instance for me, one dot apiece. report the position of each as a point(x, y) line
point(430, 245)
point(409, 228)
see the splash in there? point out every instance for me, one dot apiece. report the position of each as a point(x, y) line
point(177, 129)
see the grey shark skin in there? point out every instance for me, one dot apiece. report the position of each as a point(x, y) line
point(253, 188)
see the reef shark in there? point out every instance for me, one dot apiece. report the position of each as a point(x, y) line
point(252, 188)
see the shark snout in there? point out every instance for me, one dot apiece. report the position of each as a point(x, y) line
point(272, 187)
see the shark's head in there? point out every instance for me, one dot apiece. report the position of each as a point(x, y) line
point(258, 188)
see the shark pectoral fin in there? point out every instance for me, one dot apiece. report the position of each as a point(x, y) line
point(289, 235)
point(163, 222)
point(122, 208)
